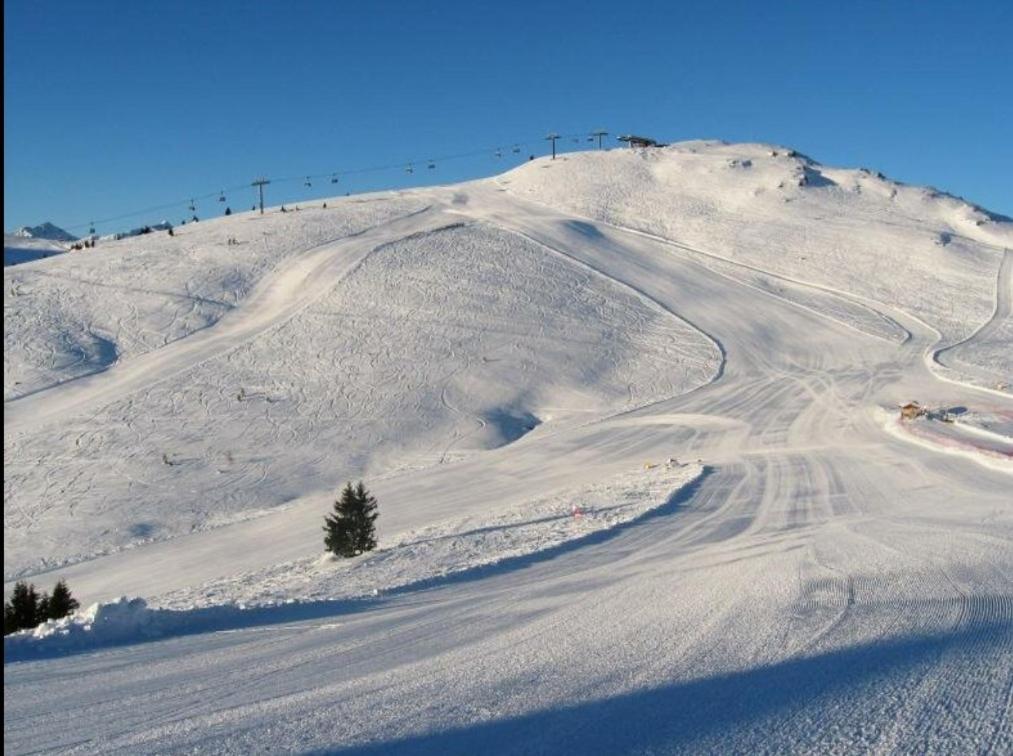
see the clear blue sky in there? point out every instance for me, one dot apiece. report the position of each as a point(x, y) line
point(111, 107)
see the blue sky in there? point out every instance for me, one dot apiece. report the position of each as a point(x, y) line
point(111, 107)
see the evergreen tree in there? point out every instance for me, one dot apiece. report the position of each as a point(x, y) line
point(24, 606)
point(61, 603)
point(10, 625)
point(42, 609)
point(366, 514)
point(349, 530)
point(338, 526)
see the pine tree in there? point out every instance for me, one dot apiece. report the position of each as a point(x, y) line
point(24, 606)
point(10, 625)
point(42, 609)
point(61, 603)
point(366, 514)
point(349, 530)
point(338, 526)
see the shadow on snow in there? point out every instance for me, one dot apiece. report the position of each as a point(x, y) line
point(813, 704)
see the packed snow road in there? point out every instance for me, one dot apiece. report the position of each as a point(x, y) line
point(824, 587)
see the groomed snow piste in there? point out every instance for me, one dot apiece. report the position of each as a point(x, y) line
point(510, 364)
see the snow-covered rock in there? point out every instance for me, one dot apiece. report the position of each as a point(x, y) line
point(45, 231)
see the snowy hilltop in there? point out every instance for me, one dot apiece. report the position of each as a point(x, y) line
point(45, 231)
point(697, 448)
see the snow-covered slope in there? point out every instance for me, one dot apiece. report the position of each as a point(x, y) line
point(124, 298)
point(368, 354)
point(500, 359)
point(22, 249)
point(933, 255)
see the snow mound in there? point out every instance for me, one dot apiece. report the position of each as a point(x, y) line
point(101, 623)
point(311, 587)
point(967, 439)
point(454, 546)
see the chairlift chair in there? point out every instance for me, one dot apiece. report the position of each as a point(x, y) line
point(498, 153)
point(334, 178)
point(91, 228)
point(192, 206)
point(221, 196)
point(432, 165)
point(307, 183)
point(409, 168)
point(516, 149)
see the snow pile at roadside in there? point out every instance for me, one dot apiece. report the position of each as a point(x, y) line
point(125, 620)
point(995, 422)
point(454, 546)
point(304, 587)
point(931, 254)
point(960, 438)
point(111, 621)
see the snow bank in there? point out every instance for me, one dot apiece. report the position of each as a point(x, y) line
point(321, 585)
point(453, 546)
point(989, 449)
point(125, 620)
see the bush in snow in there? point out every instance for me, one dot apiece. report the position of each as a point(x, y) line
point(349, 530)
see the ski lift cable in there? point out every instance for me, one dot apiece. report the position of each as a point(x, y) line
point(217, 194)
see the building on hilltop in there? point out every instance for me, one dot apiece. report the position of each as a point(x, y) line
point(639, 141)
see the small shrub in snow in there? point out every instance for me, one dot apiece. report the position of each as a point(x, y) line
point(350, 529)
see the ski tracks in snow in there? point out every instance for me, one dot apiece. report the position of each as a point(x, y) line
point(274, 301)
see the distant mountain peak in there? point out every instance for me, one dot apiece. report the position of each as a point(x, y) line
point(45, 230)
